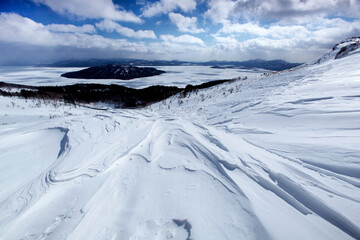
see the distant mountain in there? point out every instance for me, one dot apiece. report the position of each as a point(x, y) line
point(273, 65)
point(121, 61)
point(114, 71)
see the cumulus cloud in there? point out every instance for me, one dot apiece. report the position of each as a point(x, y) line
point(18, 29)
point(275, 31)
point(220, 10)
point(178, 48)
point(229, 40)
point(87, 28)
point(296, 30)
point(15, 28)
point(185, 24)
point(110, 26)
point(289, 10)
point(278, 9)
point(166, 6)
point(263, 48)
point(321, 30)
point(183, 39)
point(94, 9)
point(26, 41)
point(331, 30)
point(296, 43)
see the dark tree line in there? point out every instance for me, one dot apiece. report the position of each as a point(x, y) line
point(120, 96)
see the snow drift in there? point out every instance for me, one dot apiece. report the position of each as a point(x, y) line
point(275, 157)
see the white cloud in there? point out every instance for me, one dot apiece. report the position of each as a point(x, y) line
point(263, 48)
point(96, 9)
point(87, 28)
point(219, 10)
point(296, 43)
point(171, 49)
point(321, 29)
point(229, 40)
point(289, 10)
point(300, 8)
point(300, 29)
point(183, 39)
point(166, 6)
point(110, 26)
point(18, 29)
point(31, 42)
point(15, 28)
point(275, 31)
point(327, 30)
point(185, 24)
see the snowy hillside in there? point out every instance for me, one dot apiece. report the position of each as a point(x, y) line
point(275, 157)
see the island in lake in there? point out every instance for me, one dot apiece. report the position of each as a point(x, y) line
point(114, 71)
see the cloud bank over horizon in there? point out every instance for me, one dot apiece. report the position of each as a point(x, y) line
point(40, 31)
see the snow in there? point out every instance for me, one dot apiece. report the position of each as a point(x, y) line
point(179, 76)
point(273, 157)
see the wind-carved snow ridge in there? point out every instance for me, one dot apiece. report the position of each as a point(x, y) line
point(64, 143)
point(37, 174)
point(316, 205)
point(275, 157)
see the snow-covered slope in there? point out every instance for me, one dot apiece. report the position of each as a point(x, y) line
point(268, 158)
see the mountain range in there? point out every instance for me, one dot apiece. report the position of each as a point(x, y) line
point(273, 65)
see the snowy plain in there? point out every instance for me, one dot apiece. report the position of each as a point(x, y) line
point(179, 76)
point(273, 157)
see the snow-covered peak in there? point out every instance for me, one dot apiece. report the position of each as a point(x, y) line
point(347, 42)
point(342, 49)
point(351, 45)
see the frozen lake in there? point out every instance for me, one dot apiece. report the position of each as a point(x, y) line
point(175, 76)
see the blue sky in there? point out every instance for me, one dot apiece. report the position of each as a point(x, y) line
point(40, 31)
